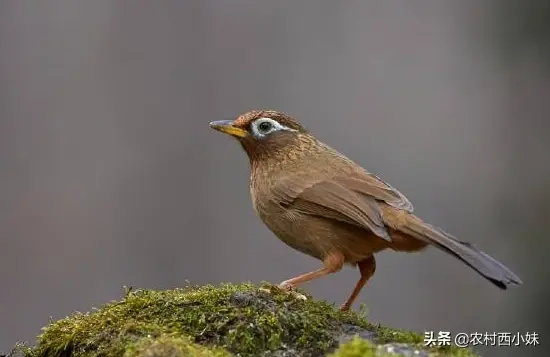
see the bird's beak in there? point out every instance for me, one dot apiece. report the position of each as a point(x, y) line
point(227, 127)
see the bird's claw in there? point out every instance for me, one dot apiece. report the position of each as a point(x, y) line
point(291, 290)
point(344, 307)
point(286, 288)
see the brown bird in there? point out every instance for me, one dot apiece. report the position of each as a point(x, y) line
point(322, 204)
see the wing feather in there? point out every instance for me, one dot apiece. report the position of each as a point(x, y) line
point(352, 198)
point(330, 199)
point(372, 186)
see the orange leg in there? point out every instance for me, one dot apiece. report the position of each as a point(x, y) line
point(332, 263)
point(367, 267)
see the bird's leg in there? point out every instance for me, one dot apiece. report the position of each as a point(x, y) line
point(332, 263)
point(367, 268)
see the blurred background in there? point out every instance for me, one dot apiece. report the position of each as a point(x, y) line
point(110, 175)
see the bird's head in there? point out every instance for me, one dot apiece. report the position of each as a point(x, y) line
point(263, 132)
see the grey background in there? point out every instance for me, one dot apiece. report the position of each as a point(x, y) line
point(110, 175)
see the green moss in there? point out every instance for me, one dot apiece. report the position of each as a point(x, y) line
point(362, 348)
point(386, 335)
point(211, 321)
point(168, 346)
point(356, 348)
point(453, 351)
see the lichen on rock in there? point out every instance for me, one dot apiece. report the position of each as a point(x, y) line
point(221, 321)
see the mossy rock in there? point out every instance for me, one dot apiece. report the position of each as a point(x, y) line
point(222, 321)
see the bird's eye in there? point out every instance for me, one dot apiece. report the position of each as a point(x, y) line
point(265, 126)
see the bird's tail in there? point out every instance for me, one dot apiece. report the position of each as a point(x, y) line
point(485, 265)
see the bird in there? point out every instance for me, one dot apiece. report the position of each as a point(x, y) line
point(321, 203)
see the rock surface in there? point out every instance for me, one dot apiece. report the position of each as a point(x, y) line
point(222, 321)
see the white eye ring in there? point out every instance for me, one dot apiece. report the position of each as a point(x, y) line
point(265, 126)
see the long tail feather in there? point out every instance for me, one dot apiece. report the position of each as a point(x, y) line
point(485, 265)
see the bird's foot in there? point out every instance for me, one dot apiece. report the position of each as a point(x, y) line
point(345, 307)
point(291, 290)
point(287, 289)
point(286, 286)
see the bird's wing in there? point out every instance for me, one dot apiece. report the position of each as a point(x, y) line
point(367, 184)
point(331, 199)
point(351, 198)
